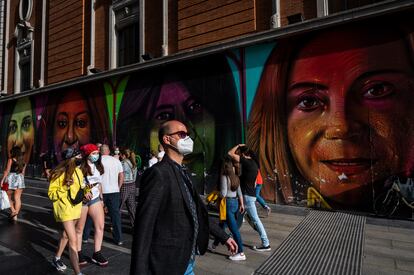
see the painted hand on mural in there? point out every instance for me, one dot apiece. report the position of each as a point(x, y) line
point(347, 118)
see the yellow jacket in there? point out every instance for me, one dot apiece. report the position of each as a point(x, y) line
point(63, 209)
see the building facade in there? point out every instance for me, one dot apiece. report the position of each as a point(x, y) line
point(319, 89)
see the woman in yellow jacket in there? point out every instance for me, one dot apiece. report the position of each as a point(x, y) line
point(65, 182)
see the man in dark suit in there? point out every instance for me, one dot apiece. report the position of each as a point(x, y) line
point(172, 223)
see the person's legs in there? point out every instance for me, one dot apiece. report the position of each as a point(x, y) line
point(232, 206)
point(252, 212)
point(260, 200)
point(98, 217)
point(80, 226)
point(62, 244)
point(112, 203)
point(131, 202)
point(10, 195)
point(87, 229)
point(17, 200)
point(71, 232)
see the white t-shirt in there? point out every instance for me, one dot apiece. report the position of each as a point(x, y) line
point(152, 161)
point(112, 168)
point(95, 178)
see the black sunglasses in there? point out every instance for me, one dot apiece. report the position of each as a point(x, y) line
point(180, 134)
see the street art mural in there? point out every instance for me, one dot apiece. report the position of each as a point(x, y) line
point(328, 114)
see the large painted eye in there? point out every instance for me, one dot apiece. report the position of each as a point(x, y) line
point(378, 90)
point(309, 103)
point(195, 108)
point(164, 116)
point(12, 127)
point(81, 123)
point(62, 123)
point(26, 123)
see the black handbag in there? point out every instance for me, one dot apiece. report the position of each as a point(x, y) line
point(79, 196)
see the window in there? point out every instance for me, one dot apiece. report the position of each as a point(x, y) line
point(127, 34)
point(25, 55)
point(342, 5)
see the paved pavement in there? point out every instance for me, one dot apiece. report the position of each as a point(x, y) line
point(27, 246)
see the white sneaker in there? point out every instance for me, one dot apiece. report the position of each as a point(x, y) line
point(238, 257)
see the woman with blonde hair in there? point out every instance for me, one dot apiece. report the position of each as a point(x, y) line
point(65, 191)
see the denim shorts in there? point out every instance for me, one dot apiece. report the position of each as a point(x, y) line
point(93, 201)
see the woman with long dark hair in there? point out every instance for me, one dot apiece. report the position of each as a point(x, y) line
point(230, 189)
point(65, 182)
point(14, 173)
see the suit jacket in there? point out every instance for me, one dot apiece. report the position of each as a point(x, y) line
point(163, 230)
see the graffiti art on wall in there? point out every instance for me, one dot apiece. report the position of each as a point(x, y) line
point(327, 112)
point(332, 117)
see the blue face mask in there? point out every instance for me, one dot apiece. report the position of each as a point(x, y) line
point(93, 158)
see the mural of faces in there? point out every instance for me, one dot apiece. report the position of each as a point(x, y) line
point(72, 122)
point(21, 131)
point(176, 102)
point(349, 118)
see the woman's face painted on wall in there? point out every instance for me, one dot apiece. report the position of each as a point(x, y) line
point(21, 130)
point(72, 122)
point(350, 118)
point(176, 102)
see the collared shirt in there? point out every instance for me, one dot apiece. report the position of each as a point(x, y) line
point(188, 187)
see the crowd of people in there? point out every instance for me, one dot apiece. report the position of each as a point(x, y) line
point(91, 182)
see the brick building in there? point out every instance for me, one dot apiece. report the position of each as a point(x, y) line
point(47, 42)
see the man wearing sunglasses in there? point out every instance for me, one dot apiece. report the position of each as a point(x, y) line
point(172, 224)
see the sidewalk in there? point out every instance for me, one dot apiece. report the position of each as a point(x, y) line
point(27, 246)
point(388, 245)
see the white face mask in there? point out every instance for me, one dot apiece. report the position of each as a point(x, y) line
point(185, 146)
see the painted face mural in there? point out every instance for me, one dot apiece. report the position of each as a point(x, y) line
point(21, 131)
point(175, 102)
point(71, 126)
point(349, 118)
point(206, 102)
point(340, 115)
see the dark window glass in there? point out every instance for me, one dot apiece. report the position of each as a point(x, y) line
point(128, 45)
point(25, 76)
point(342, 5)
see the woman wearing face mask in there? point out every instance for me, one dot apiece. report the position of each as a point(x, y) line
point(92, 170)
point(65, 182)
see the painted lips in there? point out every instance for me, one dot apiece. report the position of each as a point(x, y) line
point(349, 166)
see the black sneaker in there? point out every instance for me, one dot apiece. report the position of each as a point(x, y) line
point(58, 264)
point(82, 259)
point(262, 248)
point(98, 259)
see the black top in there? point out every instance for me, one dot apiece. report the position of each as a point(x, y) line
point(50, 159)
point(248, 176)
point(15, 167)
point(164, 227)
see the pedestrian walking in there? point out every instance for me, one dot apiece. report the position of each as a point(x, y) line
point(128, 189)
point(112, 181)
point(260, 200)
point(116, 152)
point(66, 181)
point(13, 176)
point(92, 170)
point(249, 170)
point(231, 191)
point(172, 223)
